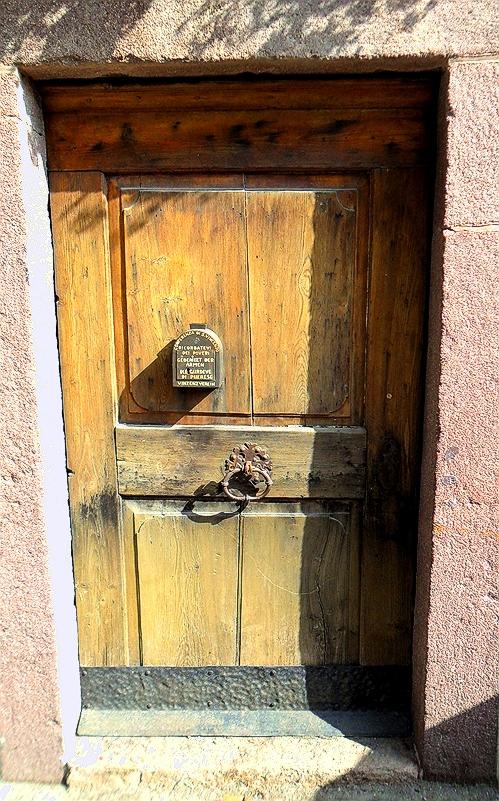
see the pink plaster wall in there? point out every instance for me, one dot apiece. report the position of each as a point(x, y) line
point(30, 723)
point(457, 611)
point(154, 36)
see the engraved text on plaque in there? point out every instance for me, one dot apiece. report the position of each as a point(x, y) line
point(197, 359)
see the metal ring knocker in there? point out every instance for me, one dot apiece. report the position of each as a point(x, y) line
point(251, 462)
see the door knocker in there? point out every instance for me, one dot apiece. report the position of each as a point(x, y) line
point(249, 468)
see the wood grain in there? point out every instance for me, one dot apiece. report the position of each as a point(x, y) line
point(359, 185)
point(185, 262)
point(182, 460)
point(301, 257)
point(79, 223)
point(136, 140)
point(299, 585)
point(187, 576)
point(393, 412)
point(164, 280)
point(241, 235)
point(306, 93)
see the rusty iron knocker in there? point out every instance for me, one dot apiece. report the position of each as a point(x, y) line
point(252, 464)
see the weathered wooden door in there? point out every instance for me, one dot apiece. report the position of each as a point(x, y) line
point(293, 224)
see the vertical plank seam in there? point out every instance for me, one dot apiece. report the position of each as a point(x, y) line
point(355, 273)
point(120, 223)
point(248, 290)
point(108, 279)
point(363, 521)
point(109, 297)
point(137, 590)
point(326, 644)
point(239, 588)
point(356, 511)
point(118, 284)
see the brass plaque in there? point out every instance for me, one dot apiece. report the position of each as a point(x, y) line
point(197, 359)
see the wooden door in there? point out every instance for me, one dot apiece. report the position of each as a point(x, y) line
point(278, 273)
point(304, 250)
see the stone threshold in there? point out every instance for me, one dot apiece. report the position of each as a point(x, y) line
point(242, 723)
point(237, 768)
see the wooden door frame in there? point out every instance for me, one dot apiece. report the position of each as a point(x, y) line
point(410, 101)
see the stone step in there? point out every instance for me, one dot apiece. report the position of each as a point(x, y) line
point(413, 791)
point(237, 768)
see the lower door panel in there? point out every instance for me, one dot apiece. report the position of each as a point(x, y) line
point(276, 584)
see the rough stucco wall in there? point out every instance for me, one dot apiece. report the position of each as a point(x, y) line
point(456, 657)
point(472, 170)
point(454, 647)
point(30, 724)
point(40, 267)
point(130, 32)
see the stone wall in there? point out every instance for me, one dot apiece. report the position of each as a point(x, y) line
point(30, 721)
point(456, 634)
point(456, 659)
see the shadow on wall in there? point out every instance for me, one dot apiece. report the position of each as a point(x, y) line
point(62, 29)
point(450, 755)
point(293, 22)
point(461, 747)
point(91, 31)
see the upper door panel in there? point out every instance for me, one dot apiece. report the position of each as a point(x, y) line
point(275, 267)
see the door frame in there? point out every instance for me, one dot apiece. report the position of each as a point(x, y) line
point(53, 94)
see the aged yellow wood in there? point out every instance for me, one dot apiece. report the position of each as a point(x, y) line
point(253, 207)
point(78, 207)
point(187, 577)
point(393, 412)
point(301, 257)
point(173, 261)
point(322, 462)
point(185, 262)
point(129, 410)
point(352, 411)
point(299, 590)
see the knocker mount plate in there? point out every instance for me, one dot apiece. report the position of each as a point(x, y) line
point(248, 472)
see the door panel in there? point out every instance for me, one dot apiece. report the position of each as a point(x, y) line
point(300, 582)
point(301, 255)
point(185, 261)
point(187, 580)
point(322, 462)
point(273, 584)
